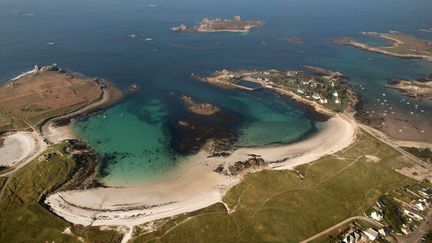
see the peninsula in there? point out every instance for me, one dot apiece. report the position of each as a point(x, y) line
point(29, 100)
point(401, 45)
point(34, 103)
point(221, 25)
point(325, 92)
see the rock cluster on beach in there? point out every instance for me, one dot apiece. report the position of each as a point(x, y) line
point(239, 167)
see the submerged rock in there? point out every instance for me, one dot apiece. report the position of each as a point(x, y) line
point(199, 123)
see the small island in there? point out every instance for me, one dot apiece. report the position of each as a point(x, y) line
point(325, 92)
point(401, 45)
point(221, 25)
point(417, 89)
point(204, 109)
point(426, 30)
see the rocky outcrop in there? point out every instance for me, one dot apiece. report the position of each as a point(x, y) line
point(240, 167)
point(87, 163)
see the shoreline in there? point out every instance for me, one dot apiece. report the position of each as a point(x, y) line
point(366, 47)
point(316, 109)
point(49, 133)
point(195, 186)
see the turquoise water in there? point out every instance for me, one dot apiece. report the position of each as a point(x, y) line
point(135, 137)
point(140, 148)
point(94, 38)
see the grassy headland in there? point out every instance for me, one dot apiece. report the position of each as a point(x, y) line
point(21, 210)
point(30, 99)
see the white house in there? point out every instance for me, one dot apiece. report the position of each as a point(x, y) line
point(335, 94)
point(371, 234)
point(377, 216)
point(316, 97)
point(412, 215)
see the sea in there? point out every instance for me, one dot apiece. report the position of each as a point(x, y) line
point(130, 42)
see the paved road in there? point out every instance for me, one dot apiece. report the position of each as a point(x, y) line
point(346, 221)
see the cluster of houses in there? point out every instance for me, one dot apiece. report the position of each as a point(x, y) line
point(307, 86)
point(321, 89)
point(412, 211)
point(355, 235)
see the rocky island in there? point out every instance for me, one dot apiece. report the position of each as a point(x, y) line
point(426, 30)
point(401, 45)
point(204, 109)
point(418, 89)
point(325, 92)
point(221, 25)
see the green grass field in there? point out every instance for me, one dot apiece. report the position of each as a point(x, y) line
point(278, 206)
point(24, 219)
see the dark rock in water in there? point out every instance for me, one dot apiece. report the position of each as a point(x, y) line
point(108, 159)
point(62, 122)
point(191, 130)
point(189, 136)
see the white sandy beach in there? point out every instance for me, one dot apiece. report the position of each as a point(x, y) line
point(16, 147)
point(194, 186)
